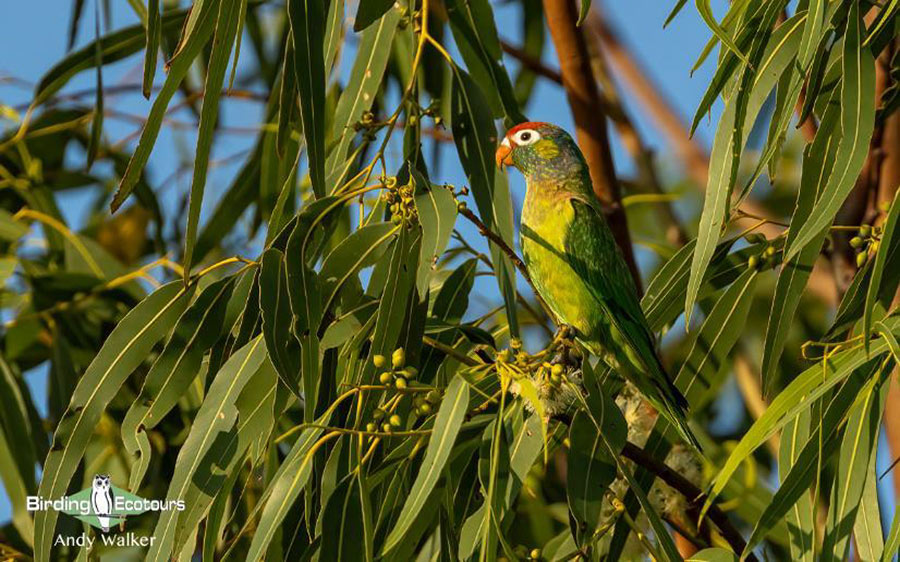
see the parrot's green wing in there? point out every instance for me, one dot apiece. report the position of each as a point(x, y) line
point(592, 252)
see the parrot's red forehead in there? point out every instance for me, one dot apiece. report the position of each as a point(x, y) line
point(528, 125)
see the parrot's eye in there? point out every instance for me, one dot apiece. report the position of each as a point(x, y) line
point(526, 137)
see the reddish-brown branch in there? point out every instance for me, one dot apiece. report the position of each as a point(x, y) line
point(531, 63)
point(694, 495)
point(888, 182)
point(590, 117)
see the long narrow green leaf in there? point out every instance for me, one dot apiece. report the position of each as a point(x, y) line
point(802, 391)
point(223, 42)
point(17, 439)
point(345, 523)
point(800, 517)
point(115, 46)
point(733, 126)
point(125, 348)
point(97, 120)
point(803, 458)
point(191, 46)
point(437, 214)
point(881, 258)
point(355, 252)
point(240, 194)
point(173, 371)
point(705, 10)
point(892, 544)
point(307, 20)
point(818, 160)
point(591, 472)
point(475, 33)
point(365, 81)
point(277, 320)
point(446, 427)
point(288, 482)
point(210, 431)
point(369, 11)
point(701, 373)
point(476, 137)
point(154, 21)
point(856, 457)
point(867, 528)
point(857, 124)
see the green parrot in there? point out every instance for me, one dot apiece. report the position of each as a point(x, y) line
point(578, 269)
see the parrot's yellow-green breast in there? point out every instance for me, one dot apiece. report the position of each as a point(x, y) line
point(545, 223)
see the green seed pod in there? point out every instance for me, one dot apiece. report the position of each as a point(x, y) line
point(856, 242)
point(379, 361)
point(378, 414)
point(386, 427)
point(865, 230)
point(398, 358)
point(752, 262)
point(535, 554)
point(433, 396)
point(411, 372)
point(396, 420)
point(555, 379)
point(425, 408)
point(400, 383)
point(861, 259)
point(396, 219)
point(461, 206)
point(385, 377)
point(557, 370)
point(770, 251)
point(371, 427)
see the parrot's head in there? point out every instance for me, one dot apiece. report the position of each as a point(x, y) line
point(537, 148)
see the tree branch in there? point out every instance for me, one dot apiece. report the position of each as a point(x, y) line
point(693, 156)
point(692, 494)
point(590, 117)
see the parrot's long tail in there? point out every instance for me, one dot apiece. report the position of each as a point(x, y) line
point(672, 405)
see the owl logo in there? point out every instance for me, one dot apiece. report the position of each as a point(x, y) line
point(102, 499)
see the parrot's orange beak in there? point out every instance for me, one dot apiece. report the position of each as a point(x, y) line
point(503, 156)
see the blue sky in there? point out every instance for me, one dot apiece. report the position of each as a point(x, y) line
point(33, 36)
